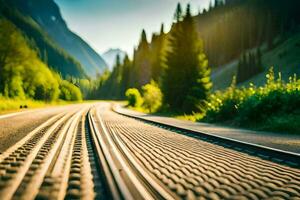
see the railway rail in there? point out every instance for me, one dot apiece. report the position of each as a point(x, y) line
point(94, 152)
point(275, 155)
point(195, 165)
point(55, 161)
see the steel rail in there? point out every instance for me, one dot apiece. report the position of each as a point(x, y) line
point(276, 155)
point(145, 185)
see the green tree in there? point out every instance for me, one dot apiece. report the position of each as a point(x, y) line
point(69, 92)
point(134, 97)
point(186, 80)
point(13, 52)
point(178, 13)
point(126, 68)
point(152, 96)
point(23, 74)
point(142, 62)
point(258, 58)
point(157, 52)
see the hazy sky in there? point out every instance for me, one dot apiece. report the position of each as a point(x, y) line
point(108, 24)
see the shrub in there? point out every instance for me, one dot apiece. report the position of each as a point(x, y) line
point(133, 97)
point(270, 107)
point(152, 96)
point(69, 92)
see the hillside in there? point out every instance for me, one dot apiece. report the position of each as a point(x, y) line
point(23, 75)
point(284, 58)
point(242, 26)
point(49, 51)
point(45, 16)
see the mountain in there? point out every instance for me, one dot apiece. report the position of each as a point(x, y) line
point(110, 57)
point(49, 51)
point(23, 74)
point(46, 14)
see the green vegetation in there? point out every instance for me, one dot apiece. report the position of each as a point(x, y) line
point(147, 65)
point(152, 97)
point(274, 106)
point(186, 81)
point(134, 97)
point(230, 29)
point(47, 49)
point(150, 102)
point(24, 76)
point(14, 104)
point(11, 105)
point(238, 36)
point(69, 92)
point(249, 65)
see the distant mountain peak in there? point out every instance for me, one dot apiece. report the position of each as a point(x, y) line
point(110, 56)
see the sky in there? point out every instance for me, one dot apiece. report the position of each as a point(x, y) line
point(108, 24)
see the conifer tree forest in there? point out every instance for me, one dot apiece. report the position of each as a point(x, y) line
point(180, 61)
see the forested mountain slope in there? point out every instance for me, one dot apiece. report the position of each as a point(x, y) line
point(41, 20)
point(49, 51)
point(243, 38)
point(23, 75)
point(229, 29)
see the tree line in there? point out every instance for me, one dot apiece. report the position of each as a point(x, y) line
point(178, 60)
point(180, 69)
point(229, 28)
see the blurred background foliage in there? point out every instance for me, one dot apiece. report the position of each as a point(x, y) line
point(23, 75)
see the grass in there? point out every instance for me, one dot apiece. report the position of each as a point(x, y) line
point(13, 105)
point(194, 118)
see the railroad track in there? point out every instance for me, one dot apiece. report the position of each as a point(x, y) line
point(193, 166)
point(95, 153)
point(275, 155)
point(72, 156)
point(127, 179)
point(55, 161)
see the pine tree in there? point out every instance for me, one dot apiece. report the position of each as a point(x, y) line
point(258, 59)
point(142, 65)
point(210, 6)
point(157, 49)
point(162, 29)
point(270, 32)
point(112, 86)
point(217, 3)
point(143, 37)
point(186, 81)
point(178, 14)
point(126, 68)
